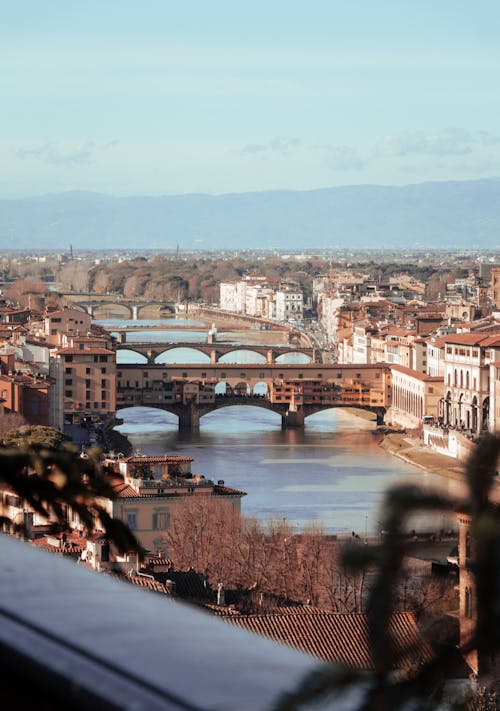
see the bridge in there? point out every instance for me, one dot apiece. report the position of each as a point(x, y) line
point(293, 391)
point(109, 306)
point(151, 351)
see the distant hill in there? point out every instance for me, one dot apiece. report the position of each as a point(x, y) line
point(462, 214)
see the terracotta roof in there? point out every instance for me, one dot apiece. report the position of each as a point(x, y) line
point(335, 637)
point(159, 560)
point(147, 583)
point(473, 339)
point(124, 491)
point(139, 459)
point(228, 491)
point(417, 375)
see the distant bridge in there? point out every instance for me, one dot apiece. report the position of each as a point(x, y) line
point(109, 306)
point(151, 351)
point(293, 391)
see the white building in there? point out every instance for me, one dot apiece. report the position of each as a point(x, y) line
point(467, 360)
point(289, 304)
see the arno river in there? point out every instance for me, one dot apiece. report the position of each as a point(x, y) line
point(333, 472)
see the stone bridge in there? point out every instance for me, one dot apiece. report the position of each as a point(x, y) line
point(293, 391)
point(110, 306)
point(151, 351)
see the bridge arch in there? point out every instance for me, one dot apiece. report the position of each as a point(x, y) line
point(261, 388)
point(128, 355)
point(292, 357)
point(105, 311)
point(182, 354)
point(154, 310)
point(242, 355)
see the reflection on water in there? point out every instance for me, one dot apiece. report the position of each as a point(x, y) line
point(332, 472)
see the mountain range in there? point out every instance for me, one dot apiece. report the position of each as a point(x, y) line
point(446, 215)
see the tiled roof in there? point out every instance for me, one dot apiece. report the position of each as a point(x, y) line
point(221, 490)
point(124, 490)
point(147, 583)
point(338, 637)
point(139, 459)
point(156, 560)
point(473, 339)
point(335, 637)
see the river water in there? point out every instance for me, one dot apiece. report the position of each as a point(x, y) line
point(331, 473)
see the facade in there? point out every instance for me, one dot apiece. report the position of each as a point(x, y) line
point(22, 392)
point(152, 486)
point(414, 396)
point(466, 403)
point(495, 287)
point(89, 380)
point(289, 304)
point(69, 321)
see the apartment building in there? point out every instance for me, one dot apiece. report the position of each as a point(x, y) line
point(467, 361)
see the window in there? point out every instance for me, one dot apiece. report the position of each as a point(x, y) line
point(161, 520)
point(68, 381)
point(56, 320)
point(68, 393)
point(87, 383)
point(184, 375)
point(144, 375)
point(68, 371)
point(203, 375)
point(131, 519)
point(68, 358)
point(103, 359)
point(103, 383)
point(105, 553)
point(87, 371)
point(87, 394)
point(103, 370)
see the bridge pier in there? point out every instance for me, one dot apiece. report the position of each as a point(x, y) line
point(135, 311)
point(292, 419)
point(380, 413)
point(189, 418)
point(269, 357)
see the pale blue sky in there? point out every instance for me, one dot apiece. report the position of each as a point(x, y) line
point(163, 97)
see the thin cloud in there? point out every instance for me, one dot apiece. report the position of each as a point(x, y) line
point(444, 143)
point(281, 145)
point(65, 155)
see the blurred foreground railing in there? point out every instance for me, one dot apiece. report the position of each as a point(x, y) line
point(71, 637)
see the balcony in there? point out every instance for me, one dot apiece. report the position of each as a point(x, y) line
point(75, 638)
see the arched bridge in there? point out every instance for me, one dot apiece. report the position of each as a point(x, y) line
point(151, 351)
point(109, 306)
point(293, 391)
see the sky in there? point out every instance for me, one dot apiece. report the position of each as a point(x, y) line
point(168, 97)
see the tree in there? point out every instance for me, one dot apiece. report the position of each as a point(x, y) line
point(35, 436)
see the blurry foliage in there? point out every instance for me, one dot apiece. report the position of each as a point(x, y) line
point(48, 475)
point(419, 688)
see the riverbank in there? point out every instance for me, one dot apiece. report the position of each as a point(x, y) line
point(411, 450)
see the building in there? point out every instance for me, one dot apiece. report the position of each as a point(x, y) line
point(289, 303)
point(152, 485)
point(467, 359)
point(414, 396)
point(495, 287)
point(89, 380)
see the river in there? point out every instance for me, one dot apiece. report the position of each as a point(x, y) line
point(331, 473)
